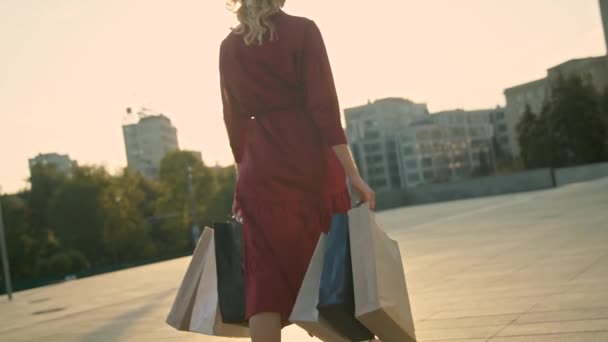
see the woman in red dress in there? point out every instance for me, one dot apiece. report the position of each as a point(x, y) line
point(283, 121)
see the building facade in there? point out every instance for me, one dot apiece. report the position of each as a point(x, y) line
point(374, 132)
point(532, 94)
point(592, 70)
point(397, 144)
point(447, 146)
point(61, 162)
point(148, 141)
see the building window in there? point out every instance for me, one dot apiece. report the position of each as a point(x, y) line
point(396, 182)
point(475, 132)
point(380, 182)
point(413, 178)
point(408, 151)
point(437, 134)
point(411, 164)
point(429, 176)
point(502, 128)
point(371, 148)
point(427, 162)
point(422, 135)
point(369, 134)
point(457, 132)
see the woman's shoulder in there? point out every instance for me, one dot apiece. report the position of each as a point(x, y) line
point(297, 21)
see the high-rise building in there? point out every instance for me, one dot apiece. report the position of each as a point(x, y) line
point(61, 162)
point(604, 11)
point(148, 141)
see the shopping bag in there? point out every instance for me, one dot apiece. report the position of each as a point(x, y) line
point(181, 312)
point(381, 299)
point(196, 305)
point(206, 315)
point(336, 293)
point(305, 313)
point(230, 275)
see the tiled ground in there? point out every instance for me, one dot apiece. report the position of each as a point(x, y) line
point(519, 268)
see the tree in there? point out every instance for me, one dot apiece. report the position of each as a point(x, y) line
point(20, 244)
point(220, 205)
point(569, 131)
point(77, 213)
point(125, 233)
point(604, 114)
point(574, 120)
point(175, 170)
point(45, 183)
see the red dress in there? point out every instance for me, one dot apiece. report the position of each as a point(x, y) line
point(282, 115)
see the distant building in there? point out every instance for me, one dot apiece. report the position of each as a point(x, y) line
point(374, 132)
point(397, 144)
point(447, 146)
point(61, 162)
point(500, 123)
point(148, 141)
point(592, 70)
point(531, 94)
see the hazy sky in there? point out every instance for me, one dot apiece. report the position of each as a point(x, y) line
point(68, 68)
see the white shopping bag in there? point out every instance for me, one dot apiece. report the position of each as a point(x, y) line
point(381, 299)
point(196, 307)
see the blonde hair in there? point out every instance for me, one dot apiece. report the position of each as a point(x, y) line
point(254, 19)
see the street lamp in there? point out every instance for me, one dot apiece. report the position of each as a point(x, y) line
point(196, 228)
point(5, 265)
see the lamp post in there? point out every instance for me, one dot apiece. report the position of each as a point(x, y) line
point(196, 228)
point(4, 255)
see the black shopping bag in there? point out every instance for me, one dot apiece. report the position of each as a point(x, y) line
point(230, 277)
point(336, 295)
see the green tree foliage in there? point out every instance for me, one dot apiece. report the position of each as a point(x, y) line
point(20, 242)
point(570, 130)
point(181, 172)
point(77, 213)
point(89, 220)
point(576, 124)
point(125, 232)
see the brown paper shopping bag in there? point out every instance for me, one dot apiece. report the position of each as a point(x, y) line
point(181, 312)
point(196, 306)
point(381, 299)
point(305, 313)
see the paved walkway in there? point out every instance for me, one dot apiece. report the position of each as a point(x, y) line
point(519, 268)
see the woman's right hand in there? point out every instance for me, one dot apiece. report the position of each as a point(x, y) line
point(364, 192)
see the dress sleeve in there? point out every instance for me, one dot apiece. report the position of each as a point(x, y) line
point(234, 117)
point(321, 98)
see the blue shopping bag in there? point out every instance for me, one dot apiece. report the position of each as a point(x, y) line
point(336, 294)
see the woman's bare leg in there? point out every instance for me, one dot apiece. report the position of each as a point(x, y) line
point(265, 327)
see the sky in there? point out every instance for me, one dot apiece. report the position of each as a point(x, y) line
point(69, 68)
